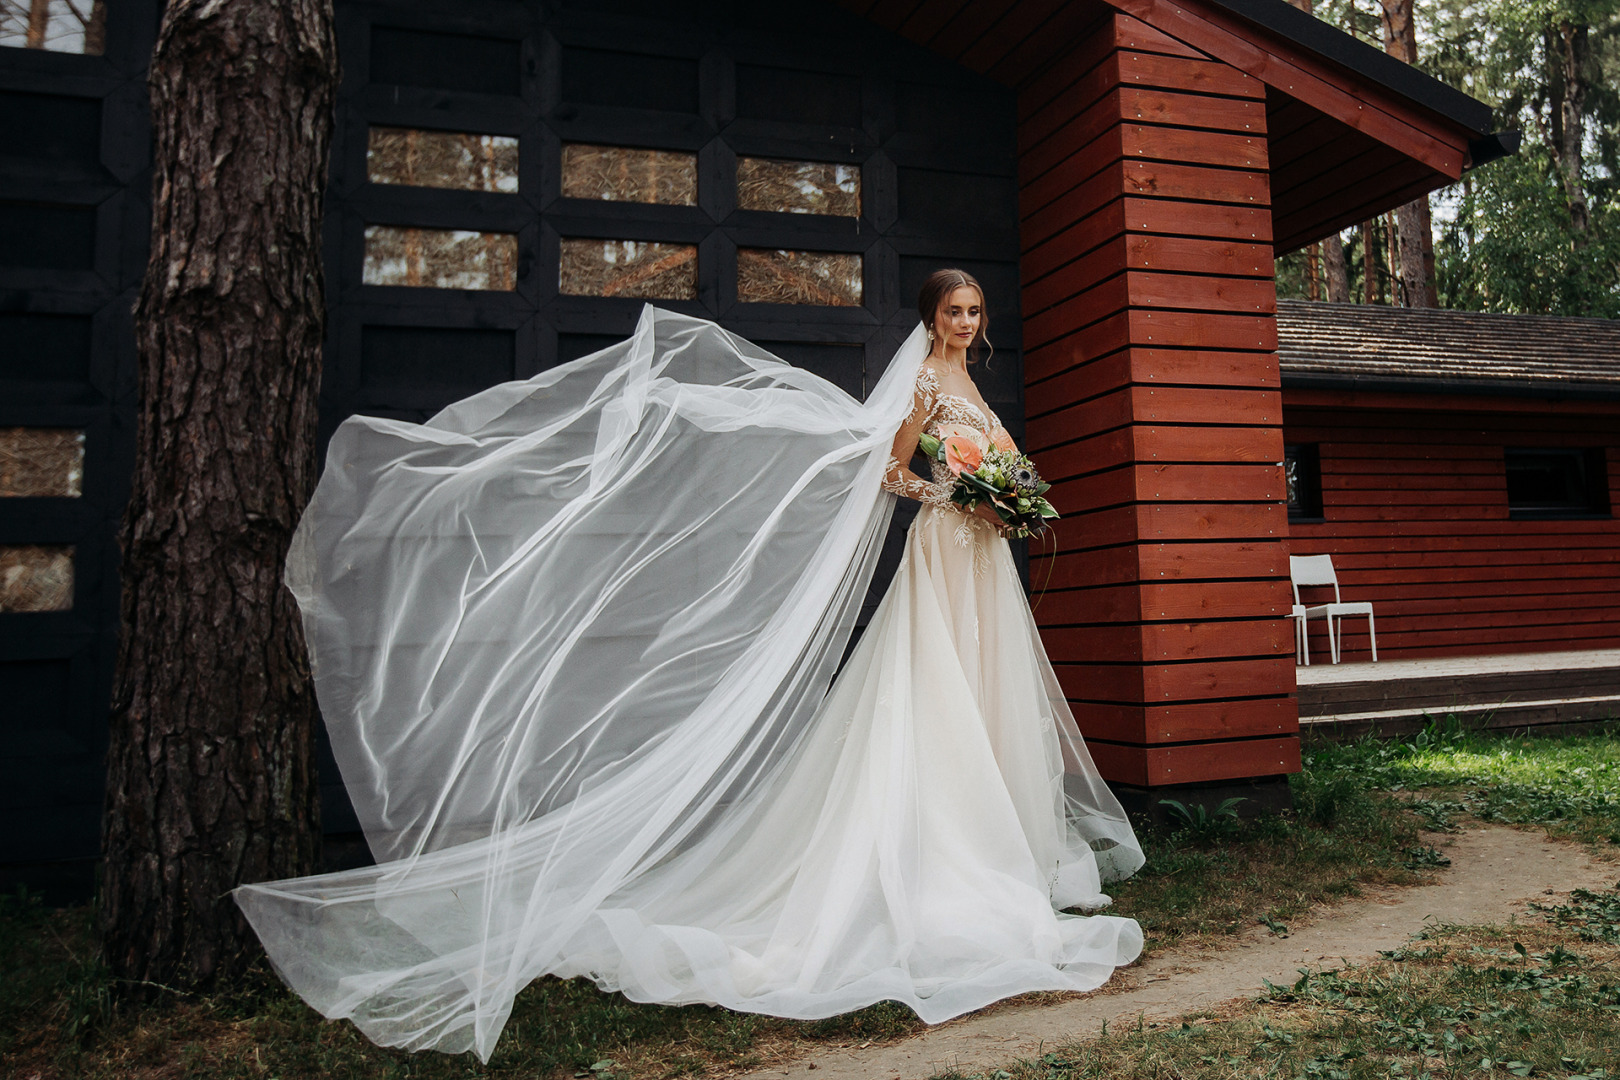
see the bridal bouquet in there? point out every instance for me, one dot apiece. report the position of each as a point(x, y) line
point(1000, 477)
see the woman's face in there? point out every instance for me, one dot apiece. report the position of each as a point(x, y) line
point(956, 323)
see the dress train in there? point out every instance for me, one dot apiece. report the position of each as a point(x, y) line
point(917, 847)
point(573, 640)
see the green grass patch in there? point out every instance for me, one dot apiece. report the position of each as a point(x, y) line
point(1218, 875)
point(1358, 815)
point(1568, 785)
point(1536, 999)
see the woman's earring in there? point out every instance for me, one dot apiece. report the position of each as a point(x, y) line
point(930, 337)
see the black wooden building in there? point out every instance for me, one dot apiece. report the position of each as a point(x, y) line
point(511, 180)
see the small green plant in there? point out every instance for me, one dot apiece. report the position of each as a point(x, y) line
point(1594, 916)
point(1437, 733)
point(1424, 858)
point(1199, 822)
point(1439, 815)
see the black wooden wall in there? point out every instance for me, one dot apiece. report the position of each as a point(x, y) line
point(74, 220)
point(790, 80)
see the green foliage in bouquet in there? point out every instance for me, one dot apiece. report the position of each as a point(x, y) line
point(1005, 481)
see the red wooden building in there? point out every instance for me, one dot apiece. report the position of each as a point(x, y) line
point(1167, 152)
point(1462, 470)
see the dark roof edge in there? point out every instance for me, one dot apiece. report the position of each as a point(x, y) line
point(1386, 384)
point(1340, 47)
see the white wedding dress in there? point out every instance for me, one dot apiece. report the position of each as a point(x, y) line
point(573, 640)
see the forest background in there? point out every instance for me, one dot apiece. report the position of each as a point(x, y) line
point(1536, 232)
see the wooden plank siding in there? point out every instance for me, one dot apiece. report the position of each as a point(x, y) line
point(1167, 150)
point(1414, 494)
point(1153, 407)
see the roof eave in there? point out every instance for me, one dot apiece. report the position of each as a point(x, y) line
point(1309, 32)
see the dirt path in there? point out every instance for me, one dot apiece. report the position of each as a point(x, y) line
point(1494, 872)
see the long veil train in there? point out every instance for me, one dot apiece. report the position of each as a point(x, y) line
point(572, 639)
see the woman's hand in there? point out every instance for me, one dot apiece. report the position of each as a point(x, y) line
point(984, 511)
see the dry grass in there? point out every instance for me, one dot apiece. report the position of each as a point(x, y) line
point(628, 174)
point(798, 187)
point(825, 278)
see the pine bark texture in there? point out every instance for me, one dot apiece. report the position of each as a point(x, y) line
point(1336, 270)
point(1414, 227)
point(1369, 264)
point(1414, 231)
point(210, 765)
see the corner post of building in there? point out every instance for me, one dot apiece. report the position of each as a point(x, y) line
point(1153, 406)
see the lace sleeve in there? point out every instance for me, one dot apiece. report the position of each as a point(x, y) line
point(1000, 437)
point(899, 478)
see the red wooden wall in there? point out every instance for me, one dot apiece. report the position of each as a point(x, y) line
point(1414, 491)
point(1153, 405)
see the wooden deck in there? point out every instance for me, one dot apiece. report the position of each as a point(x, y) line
point(1520, 690)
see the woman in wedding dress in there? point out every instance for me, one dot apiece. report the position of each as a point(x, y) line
point(573, 640)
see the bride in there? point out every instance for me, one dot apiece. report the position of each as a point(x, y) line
point(573, 640)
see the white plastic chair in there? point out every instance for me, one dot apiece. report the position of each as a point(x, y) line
point(1302, 648)
point(1311, 570)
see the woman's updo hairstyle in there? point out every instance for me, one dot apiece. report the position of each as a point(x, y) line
point(939, 285)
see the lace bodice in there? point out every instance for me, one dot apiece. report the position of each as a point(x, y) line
point(931, 411)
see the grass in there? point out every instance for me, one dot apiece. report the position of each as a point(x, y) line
point(1358, 814)
point(1569, 786)
point(1537, 999)
point(1220, 876)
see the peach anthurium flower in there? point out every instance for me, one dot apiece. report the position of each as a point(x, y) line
point(1004, 442)
point(961, 454)
point(966, 431)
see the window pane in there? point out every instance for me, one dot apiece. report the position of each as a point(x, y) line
point(41, 463)
point(44, 237)
point(1556, 481)
point(798, 187)
point(628, 268)
point(36, 577)
point(440, 259)
point(442, 159)
point(625, 174)
point(1302, 471)
point(629, 80)
point(830, 279)
point(44, 348)
point(79, 27)
point(476, 65)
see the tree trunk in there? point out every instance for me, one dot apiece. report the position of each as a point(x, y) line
point(39, 20)
point(1568, 59)
point(210, 764)
point(1335, 275)
point(1414, 229)
point(1369, 264)
point(95, 29)
point(1392, 259)
point(1400, 35)
point(1335, 270)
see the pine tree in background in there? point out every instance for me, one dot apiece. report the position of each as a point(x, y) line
point(1534, 232)
point(1538, 232)
point(1414, 231)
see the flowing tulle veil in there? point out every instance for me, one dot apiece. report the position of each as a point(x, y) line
point(567, 636)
